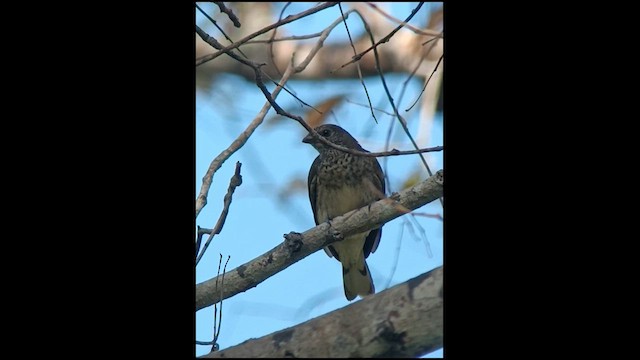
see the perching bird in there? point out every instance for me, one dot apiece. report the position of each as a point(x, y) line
point(338, 183)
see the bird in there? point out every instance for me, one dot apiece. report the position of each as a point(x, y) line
point(339, 182)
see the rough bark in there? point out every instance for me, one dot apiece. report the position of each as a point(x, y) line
point(403, 321)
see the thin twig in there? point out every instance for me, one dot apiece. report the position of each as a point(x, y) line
point(236, 180)
point(405, 84)
point(365, 105)
point(229, 12)
point(213, 42)
point(413, 72)
point(216, 324)
point(386, 146)
point(432, 216)
point(255, 66)
point(393, 152)
point(425, 84)
point(323, 36)
point(236, 144)
point(423, 235)
point(299, 68)
point(403, 89)
point(425, 32)
point(402, 121)
point(239, 142)
point(224, 271)
point(219, 28)
point(273, 35)
point(201, 233)
point(215, 306)
point(286, 38)
point(430, 40)
point(396, 257)
point(204, 342)
point(358, 64)
point(286, 20)
point(383, 40)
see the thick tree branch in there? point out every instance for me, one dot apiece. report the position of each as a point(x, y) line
point(298, 246)
point(403, 321)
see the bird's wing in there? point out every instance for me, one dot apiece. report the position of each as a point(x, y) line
point(373, 239)
point(312, 183)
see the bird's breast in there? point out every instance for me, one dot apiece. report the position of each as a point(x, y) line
point(336, 201)
point(343, 170)
point(342, 185)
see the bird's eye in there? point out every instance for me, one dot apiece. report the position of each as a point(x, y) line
point(325, 132)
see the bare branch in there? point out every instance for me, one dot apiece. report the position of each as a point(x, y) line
point(229, 12)
point(218, 27)
point(217, 45)
point(273, 36)
point(298, 246)
point(365, 105)
point(423, 235)
point(325, 33)
point(241, 140)
point(286, 38)
point(236, 180)
point(425, 32)
point(204, 342)
point(258, 79)
point(384, 39)
point(415, 69)
point(255, 66)
point(286, 20)
point(201, 233)
point(402, 121)
point(396, 255)
point(426, 83)
point(216, 324)
point(358, 65)
point(403, 321)
point(279, 110)
point(433, 216)
point(216, 332)
point(237, 144)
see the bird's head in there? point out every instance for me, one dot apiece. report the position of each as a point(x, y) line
point(334, 134)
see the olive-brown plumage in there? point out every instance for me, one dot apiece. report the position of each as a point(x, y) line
point(338, 183)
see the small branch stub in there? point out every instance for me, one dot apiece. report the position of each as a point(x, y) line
point(293, 241)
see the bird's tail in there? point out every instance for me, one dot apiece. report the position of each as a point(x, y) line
point(357, 279)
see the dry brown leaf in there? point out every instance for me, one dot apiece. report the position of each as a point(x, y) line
point(312, 117)
point(315, 118)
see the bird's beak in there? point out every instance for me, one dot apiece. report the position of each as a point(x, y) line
point(309, 139)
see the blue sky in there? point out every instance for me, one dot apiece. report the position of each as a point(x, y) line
point(271, 158)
